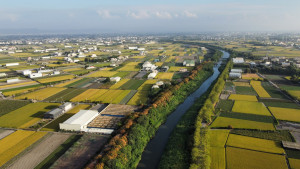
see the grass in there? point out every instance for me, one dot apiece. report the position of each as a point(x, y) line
point(7, 106)
point(55, 78)
point(66, 95)
point(47, 162)
point(26, 116)
point(256, 144)
point(16, 143)
point(225, 105)
point(103, 73)
point(132, 84)
point(243, 97)
point(278, 135)
point(247, 159)
point(41, 94)
point(164, 75)
point(248, 107)
point(54, 125)
point(140, 97)
point(259, 89)
point(286, 114)
point(245, 90)
point(119, 84)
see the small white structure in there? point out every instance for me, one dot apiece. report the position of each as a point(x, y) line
point(236, 71)
point(153, 74)
point(235, 75)
point(133, 48)
point(12, 80)
point(3, 74)
point(141, 49)
point(155, 87)
point(91, 67)
point(81, 55)
point(79, 121)
point(35, 75)
point(148, 66)
point(11, 64)
point(189, 63)
point(93, 56)
point(284, 64)
point(56, 72)
point(67, 106)
point(159, 83)
point(26, 72)
point(76, 60)
point(238, 60)
point(115, 79)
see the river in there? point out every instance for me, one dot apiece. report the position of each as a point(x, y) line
point(155, 148)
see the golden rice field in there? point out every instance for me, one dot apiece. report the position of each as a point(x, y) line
point(17, 142)
point(129, 68)
point(294, 93)
point(159, 63)
point(138, 57)
point(113, 96)
point(26, 116)
point(242, 97)
point(249, 107)
point(103, 73)
point(88, 94)
point(119, 84)
point(72, 69)
point(4, 70)
point(55, 78)
point(294, 163)
point(248, 159)
point(107, 68)
point(217, 148)
point(164, 75)
point(252, 143)
point(140, 97)
point(147, 84)
point(286, 114)
point(18, 84)
point(21, 91)
point(41, 94)
point(177, 68)
point(250, 76)
point(170, 58)
point(61, 65)
point(132, 63)
point(68, 82)
point(241, 84)
point(259, 89)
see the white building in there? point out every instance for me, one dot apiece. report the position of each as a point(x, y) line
point(153, 74)
point(81, 55)
point(284, 64)
point(26, 72)
point(93, 56)
point(66, 106)
point(133, 48)
point(236, 71)
point(148, 66)
point(91, 67)
point(140, 49)
point(115, 79)
point(12, 80)
point(11, 64)
point(79, 121)
point(238, 60)
point(35, 75)
point(3, 74)
point(235, 75)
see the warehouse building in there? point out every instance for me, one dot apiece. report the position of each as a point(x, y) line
point(52, 114)
point(79, 121)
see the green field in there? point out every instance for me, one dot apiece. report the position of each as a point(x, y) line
point(248, 159)
point(7, 106)
point(26, 116)
point(218, 140)
point(132, 84)
point(276, 135)
point(140, 97)
point(66, 95)
point(245, 90)
point(255, 108)
point(282, 104)
point(225, 105)
point(286, 114)
point(273, 92)
point(256, 144)
point(243, 97)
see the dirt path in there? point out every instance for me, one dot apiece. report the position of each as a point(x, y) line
point(39, 152)
point(5, 133)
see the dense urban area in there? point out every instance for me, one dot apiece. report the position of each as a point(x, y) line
point(210, 100)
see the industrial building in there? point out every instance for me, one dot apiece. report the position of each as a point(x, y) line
point(79, 121)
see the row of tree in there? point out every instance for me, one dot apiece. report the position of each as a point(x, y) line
point(200, 152)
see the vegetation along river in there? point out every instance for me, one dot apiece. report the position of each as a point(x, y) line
point(154, 150)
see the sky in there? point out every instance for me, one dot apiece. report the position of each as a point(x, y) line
point(150, 16)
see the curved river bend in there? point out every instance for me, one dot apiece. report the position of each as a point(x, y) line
point(155, 148)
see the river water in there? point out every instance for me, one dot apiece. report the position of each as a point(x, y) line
point(155, 148)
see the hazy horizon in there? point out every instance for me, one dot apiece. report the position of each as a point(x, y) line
point(141, 16)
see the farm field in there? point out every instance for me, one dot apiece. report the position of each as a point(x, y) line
point(90, 94)
point(39, 152)
point(112, 96)
point(281, 104)
point(119, 84)
point(4, 133)
point(249, 76)
point(103, 73)
point(245, 90)
point(122, 74)
point(147, 84)
point(41, 94)
point(81, 152)
point(55, 78)
point(17, 142)
point(2, 87)
point(140, 97)
point(26, 116)
point(248, 159)
point(286, 114)
point(243, 97)
point(177, 68)
point(242, 84)
point(225, 105)
point(256, 144)
point(7, 106)
point(294, 93)
point(272, 91)
point(54, 125)
point(294, 163)
point(217, 148)
point(21, 90)
point(129, 68)
point(66, 95)
point(64, 84)
point(132, 84)
point(259, 89)
point(164, 75)
point(248, 107)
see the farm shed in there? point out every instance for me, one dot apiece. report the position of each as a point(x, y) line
point(79, 121)
point(189, 63)
point(235, 75)
point(115, 79)
point(52, 114)
point(26, 72)
point(148, 66)
point(11, 64)
point(35, 75)
point(236, 71)
point(66, 106)
point(12, 80)
point(238, 60)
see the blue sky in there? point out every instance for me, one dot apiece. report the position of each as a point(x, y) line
point(151, 16)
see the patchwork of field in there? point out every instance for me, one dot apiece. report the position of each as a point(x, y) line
point(41, 94)
point(255, 108)
point(130, 68)
point(66, 95)
point(164, 75)
point(2, 87)
point(286, 114)
point(17, 142)
point(119, 84)
point(178, 68)
point(247, 159)
point(241, 84)
point(103, 73)
point(21, 90)
point(55, 78)
point(140, 97)
point(64, 84)
point(249, 76)
point(26, 116)
point(294, 93)
point(242, 97)
point(7, 106)
point(132, 84)
point(259, 89)
point(147, 84)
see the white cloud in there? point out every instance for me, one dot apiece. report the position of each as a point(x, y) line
point(8, 16)
point(139, 15)
point(163, 15)
point(106, 14)
point(189, 14)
